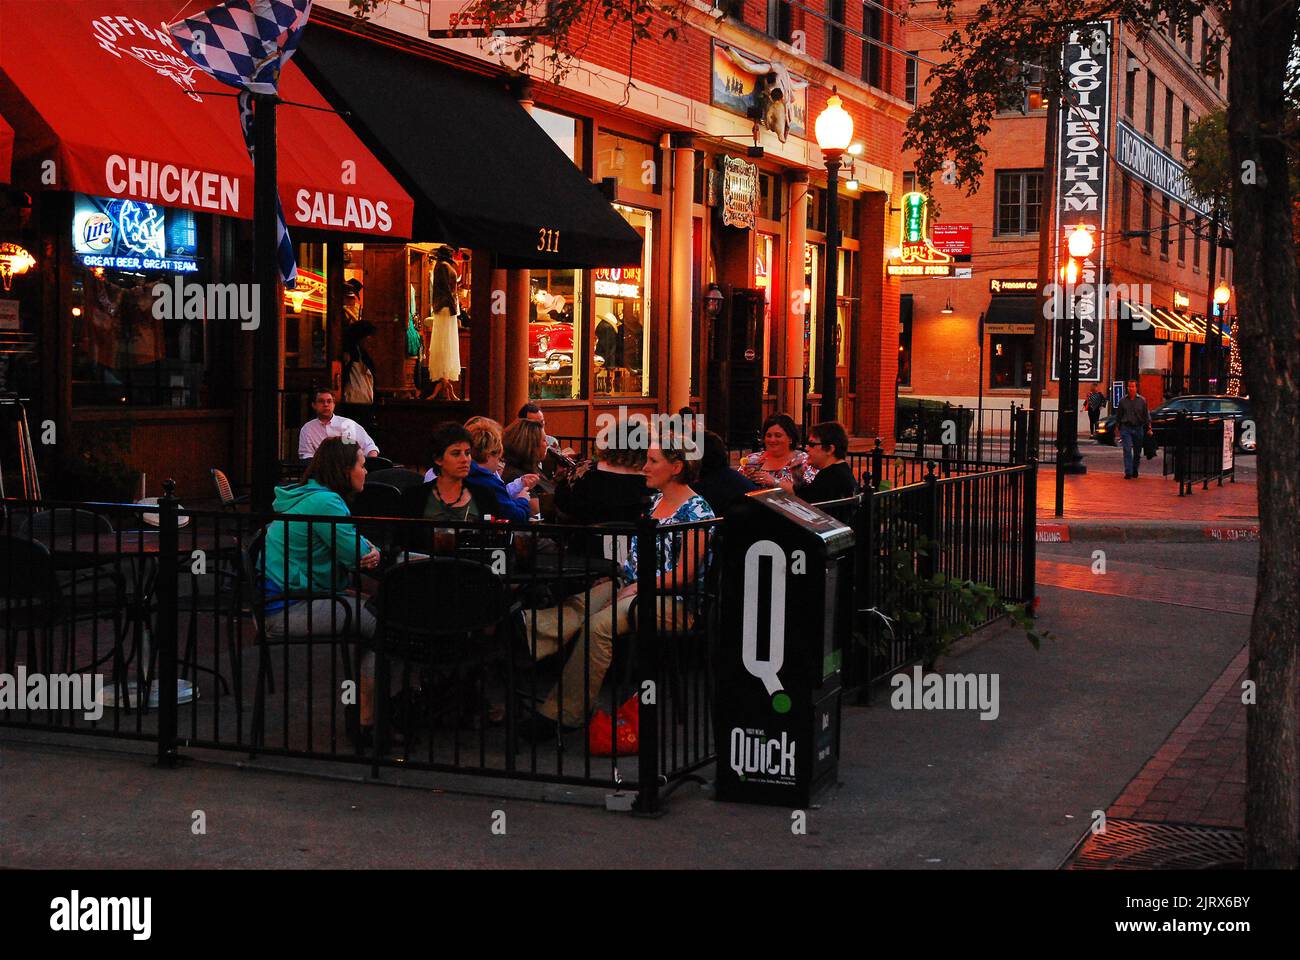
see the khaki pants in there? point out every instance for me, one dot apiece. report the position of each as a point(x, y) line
point(589, 660)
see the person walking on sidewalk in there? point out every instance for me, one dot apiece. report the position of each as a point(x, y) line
point(1134, 421)
point(1093, 403)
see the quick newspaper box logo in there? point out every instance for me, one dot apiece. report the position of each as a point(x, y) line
point(758, 757)
point(78, 914)
point(58, 691)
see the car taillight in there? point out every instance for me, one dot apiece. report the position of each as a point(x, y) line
point(543, 343)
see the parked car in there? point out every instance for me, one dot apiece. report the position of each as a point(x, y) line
point(1164, 416)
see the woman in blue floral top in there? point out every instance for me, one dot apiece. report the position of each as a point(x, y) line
point(683, 560)
point(780, 460)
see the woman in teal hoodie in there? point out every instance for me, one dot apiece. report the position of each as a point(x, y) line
point(319, 557)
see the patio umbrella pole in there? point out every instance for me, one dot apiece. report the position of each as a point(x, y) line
point(266, 275)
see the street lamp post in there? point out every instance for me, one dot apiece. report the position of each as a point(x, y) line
point(1068, 457)
point(834, 130)
point(1222, 294)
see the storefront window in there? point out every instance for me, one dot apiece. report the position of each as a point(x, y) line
point(554, 318)
point(1010, 359)
point(765, 280)
point(812, 302)
point(141, 304)
point(304, 311)
point(845, 300)
point(566, 131)
point(622, 339)
point(633, 163)
point(905, 340)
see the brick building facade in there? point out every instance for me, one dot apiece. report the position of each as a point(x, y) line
point(674, 123)
point(1150, 236)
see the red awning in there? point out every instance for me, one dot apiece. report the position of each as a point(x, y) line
point(6, 149)
point(99, 88)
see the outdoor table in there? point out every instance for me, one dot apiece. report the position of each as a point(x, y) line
point(80, 551)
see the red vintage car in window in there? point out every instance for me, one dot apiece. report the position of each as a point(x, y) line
point(550, 346)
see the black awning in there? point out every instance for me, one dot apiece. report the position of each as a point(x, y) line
point(482, 172)
point(1011, 314)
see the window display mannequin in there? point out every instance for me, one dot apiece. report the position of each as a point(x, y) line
point(444, 339)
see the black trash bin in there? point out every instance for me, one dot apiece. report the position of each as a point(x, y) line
point(787, 602)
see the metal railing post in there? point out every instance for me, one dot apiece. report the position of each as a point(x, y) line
point(165, 591)
point(1029, 534)
point(930, 535)
point(647, 662)
point(877, 464)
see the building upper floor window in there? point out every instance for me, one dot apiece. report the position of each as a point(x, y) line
point(1130, 85)
point(1169, 119)
point(1017, 202)
point(1024, 91)
point(1151, 104)
point(872, 53)
point(780, 19)
point(835, 33)
point(909, 181)
point(910, 75)
point(1187, 125)
point(1146, 219)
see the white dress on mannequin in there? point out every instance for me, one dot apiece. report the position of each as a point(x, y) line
point(444, 331)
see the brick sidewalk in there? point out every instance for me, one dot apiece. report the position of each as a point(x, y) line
point(1098, 495)
point(1199, 775)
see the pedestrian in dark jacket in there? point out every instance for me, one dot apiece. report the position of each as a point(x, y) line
point(1134, 422)
point(1093, 403)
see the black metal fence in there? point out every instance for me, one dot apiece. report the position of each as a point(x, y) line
point(953, 432)
point(203, 631)
point(1198, 449)
point(477, 648)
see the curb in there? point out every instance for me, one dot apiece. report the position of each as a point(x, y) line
point(1173, 531)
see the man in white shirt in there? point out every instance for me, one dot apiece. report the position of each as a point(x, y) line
point(327, 424)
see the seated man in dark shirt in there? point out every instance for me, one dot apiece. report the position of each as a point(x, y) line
point(828, 445)
point(719, 484)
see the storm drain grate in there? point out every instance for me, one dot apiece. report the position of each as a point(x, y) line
point(1137, 845)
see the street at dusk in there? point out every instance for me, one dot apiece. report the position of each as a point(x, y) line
point(644, 436)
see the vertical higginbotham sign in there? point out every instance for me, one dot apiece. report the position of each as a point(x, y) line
point(1081, 186)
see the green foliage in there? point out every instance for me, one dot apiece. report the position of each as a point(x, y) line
point(987, 54)
point(940, 609)
point(565, 28)
point(1209, 165)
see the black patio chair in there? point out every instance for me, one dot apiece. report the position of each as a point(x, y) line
point(251, 558)
point(224, 491)
point(447, 615)
point(81, 582)
point(374, 464)
point(378, 500)
point(30, 599)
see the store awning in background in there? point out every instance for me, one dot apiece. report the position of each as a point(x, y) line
point(122, 112)
point(482, 172)
point(1011, 315)
point(6, 149)
point(1150, 324)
